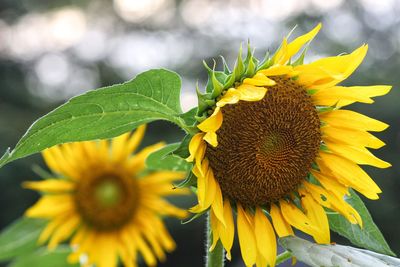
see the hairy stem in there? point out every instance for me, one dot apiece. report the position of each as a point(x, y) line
point(215, 258)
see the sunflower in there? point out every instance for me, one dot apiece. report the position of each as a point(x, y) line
point(106, 201)
point(276, 147)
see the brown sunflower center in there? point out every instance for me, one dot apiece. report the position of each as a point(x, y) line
point(106, 201)
point(266, 147)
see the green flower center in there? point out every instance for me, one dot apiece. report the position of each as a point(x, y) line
point(107, 201)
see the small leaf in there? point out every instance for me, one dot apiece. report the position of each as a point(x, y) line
point(189, 117)
point(190, 180)
point(20, 237)
point(162, 159)
point(105, 113)
point(183, 148)
point(45, 258)
point(368, 237)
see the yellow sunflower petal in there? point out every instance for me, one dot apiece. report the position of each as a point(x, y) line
point(352, 120)
point(247, 240)
point(194, 145)
point(298, 219)
point(342, 96)
point(211, 138)
point(316, 213)
point(231, 96)
point(344, 65)
point(349, 174)
point(64, 230)
point(286, 52)
point(265, 237)
point(359, 155)
point(214, 230)
point(212, 123)
point(331, 201)
point(227, 232)
point(351, 137)
point(137, 162)
point(57, 162)
point(217, 205)
point(49, 206)
point(331, 184)
point(51, 186)
point(251, 92)
point(282, 228)
point(277, 70)
point(259, 80)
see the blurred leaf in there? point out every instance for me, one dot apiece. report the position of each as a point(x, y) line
point(20, 237)
point(369, 236)
point(162, 159)
point(105, 113)
point(45, 258)
point(316, 255)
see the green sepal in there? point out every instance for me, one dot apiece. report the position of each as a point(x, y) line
point(239, 66)
point(190, 180)
point(265, 63)
point(197, 215)
point(300, 60)
point(229, 81)
point(324, 147)
point(183, 149)
point(189, 116)
point(321, 109)
point(250, 62)
point(202, 104)
point(227, 71)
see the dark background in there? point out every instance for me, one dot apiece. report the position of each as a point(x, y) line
point(51, 50)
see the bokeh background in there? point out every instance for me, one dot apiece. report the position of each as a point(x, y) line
point(51, 50)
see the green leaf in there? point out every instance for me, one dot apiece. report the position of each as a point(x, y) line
point(368, 237)
point(105, 113)
point(183, 148)
point(190, 180)
point(162, 159)
point(45, 258)
point(190, 116)
point(20, 237)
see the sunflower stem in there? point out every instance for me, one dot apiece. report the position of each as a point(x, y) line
point(284, 256)
point(215, 258)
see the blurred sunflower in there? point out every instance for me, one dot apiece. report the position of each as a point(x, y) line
point(275, 145)
point(107, 201)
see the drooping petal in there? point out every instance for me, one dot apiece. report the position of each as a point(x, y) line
point(247, 240)
point(298, 219)
point(359, 155)
point(287, 51)
point(351, 137)
point(194, 145)
point(212, 123)
point(316, 213)
point(352, 120)
point(282, 228)
point(348, 173)
point(341, 96)
point(331, 201)
point(265, 237)
point(232, 96)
